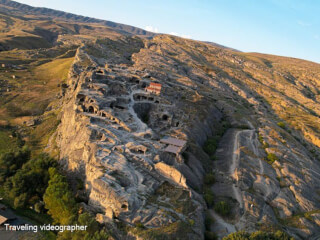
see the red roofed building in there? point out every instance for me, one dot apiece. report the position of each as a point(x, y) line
point(154, 88)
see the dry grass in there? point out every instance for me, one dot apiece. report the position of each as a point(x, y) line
point(33, 89)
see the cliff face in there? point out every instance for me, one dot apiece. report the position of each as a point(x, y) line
point(104, 141)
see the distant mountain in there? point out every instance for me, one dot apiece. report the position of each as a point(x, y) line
point(13, 7)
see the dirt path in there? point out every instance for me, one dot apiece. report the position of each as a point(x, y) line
point(221, 225)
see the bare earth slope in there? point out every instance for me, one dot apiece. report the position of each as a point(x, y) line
point(266, 164)
point(45, 13)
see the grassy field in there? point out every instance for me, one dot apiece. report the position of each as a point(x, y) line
point(7, 142)
point(32, 89)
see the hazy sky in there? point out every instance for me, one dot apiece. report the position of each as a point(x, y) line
point(281, 27)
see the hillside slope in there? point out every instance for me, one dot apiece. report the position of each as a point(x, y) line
point(75, 88)
point(13, 7)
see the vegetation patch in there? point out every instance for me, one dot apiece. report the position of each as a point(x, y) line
point(282, 125)
point(263, 143)
point(173, 231)
point(209, 179)
point(259, 235)
point(271, 158)
point(9, 140)
point(208, 196)
point(210, 146)
point(294, 220)
point(223, 208)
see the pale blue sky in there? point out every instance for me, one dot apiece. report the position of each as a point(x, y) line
point(281, 27)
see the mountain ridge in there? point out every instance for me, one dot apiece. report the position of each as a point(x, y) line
point(51, 13)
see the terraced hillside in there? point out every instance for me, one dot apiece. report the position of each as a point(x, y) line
point(76, 89)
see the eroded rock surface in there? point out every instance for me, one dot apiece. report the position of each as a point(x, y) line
point(111, 127)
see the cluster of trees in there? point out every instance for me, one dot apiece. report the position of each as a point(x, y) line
point(59, 199)
point(37, 182)
point(63, 208)
point(11, 162)
point(211, 144)
point(28, 184)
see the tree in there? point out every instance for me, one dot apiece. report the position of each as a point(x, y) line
point(19, 202)
point(222, 208)
point(10, 162)
point(59, 200)
point(28, 184)
point(93, 232)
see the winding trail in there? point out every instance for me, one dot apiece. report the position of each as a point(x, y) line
point(225, 227)
point(233, 167)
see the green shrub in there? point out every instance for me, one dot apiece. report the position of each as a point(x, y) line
point(263, 143)
point(210, 146)
point(59, 199)
point(279, 235)
point(94, 230)
point(29, 183)
point(191, 222)
point(222, 208)
point(210, 235)
point(271, 158)
point(209, 197)
point(10, 162)
point(20, 201)
point(241, 235)
point(140, 225)
point(259, 235)
point(208, 221)
point(209, 179)
point(281, 124)
point(213, 157)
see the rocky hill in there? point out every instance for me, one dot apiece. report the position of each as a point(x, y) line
point(12, 7)
point(250, 122)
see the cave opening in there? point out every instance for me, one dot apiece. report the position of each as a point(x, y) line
point(165, 117)
point(124, 206)
point(91, 109)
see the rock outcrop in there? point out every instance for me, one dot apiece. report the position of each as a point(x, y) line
point(105, 141)
point(111, 127)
